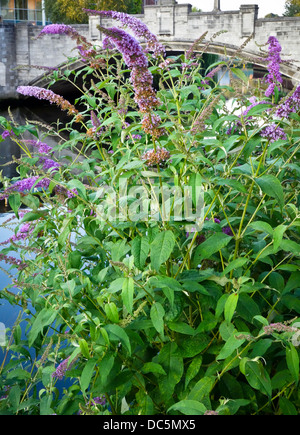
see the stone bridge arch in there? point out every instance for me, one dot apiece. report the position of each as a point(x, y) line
point(225, 50)
point(176, 25)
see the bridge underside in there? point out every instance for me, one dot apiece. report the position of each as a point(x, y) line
point(224, 50)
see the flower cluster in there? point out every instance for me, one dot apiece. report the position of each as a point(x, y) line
point(274, 77)
point(132, 136)
point(150, 125)
point(145, 96)
point(128, 46)
point(23, 233)
point(141, 78)
point(156, 157)
point(42, 147)
point(96, 129)
point(63, 192)
point(199, 124)
point(139, 29)
point(13, 261)
point(7, 133)
point(278, 327)
point(238, 124)
point(101, 400)
point(273, 133)
point(63, 367)
point(289, 105)
point(26, 185)
point(47, 94)
point(59, 29)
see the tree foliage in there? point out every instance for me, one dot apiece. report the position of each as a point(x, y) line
point(70, 11)
point(292, 8)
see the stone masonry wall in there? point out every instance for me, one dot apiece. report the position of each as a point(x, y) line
point(8, 75)
point(172, 22)
point(18, 47)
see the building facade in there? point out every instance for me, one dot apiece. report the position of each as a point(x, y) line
point(22, 10)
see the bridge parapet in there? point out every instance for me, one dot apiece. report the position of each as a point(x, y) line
point(171, 21)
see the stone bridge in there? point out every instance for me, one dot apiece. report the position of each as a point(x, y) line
point(176, 26)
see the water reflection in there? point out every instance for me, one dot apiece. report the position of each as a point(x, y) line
point(10, 149)
point(8, 313)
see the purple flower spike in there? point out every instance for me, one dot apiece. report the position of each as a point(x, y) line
point(47, 94)
point(139, 29)
point(273, 133)
point(289, 105)
point(7, 133)
point(227, 230)
point(63, 367)
point(274, 77)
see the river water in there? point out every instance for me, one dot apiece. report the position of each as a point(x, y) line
point(19, 115)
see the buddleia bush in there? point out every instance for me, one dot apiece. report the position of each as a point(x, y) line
point(156, 246)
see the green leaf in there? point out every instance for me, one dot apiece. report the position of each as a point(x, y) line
point(127, 293)
point(240, 74)
point(192, 346)
point(293, 282)
point(257, 110)
point(271, 186)
point(161, 248)
point(235, 264)
point(193, 369)
point(18, 373)
point(45, 317)
point(165, 281)
point(140, 249)
point(231, 345)
point(14, 396)
point(105, 366)
point(292, 359)
point(146, 406)
point(17, 332)
point(247, 308)
point(287, 407)
point(115, 332)
point(258, 378)
point(31, 201)
point(181, 327)
point(15, 203)
point(111, 312)
point(212, 245)
point(201, 389)
point(173, 366)
point(196, 183)
point(230, 306)
point(152, 367)
point(32, 216)
point(45, 404)
point(232, 183)
point(65, 230)
point(116, 285)
point(76, 184)
point(262, 226)
point(157, 313)
point(84, 348)
point(87, 374)
point(290, 246)
point(188, 407)
point(278, 235)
